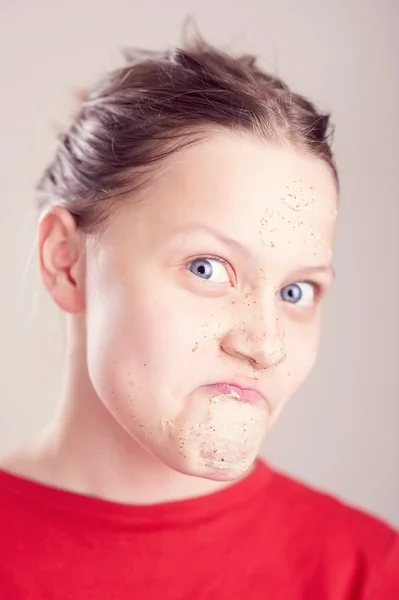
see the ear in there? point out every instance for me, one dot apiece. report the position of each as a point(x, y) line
point(61, 251)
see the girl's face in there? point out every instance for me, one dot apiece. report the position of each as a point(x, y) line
point(216, 278)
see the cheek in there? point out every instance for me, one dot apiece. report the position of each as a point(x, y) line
point(302, 343)
point(145, 337)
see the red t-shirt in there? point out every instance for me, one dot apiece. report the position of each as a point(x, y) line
point(266, 537)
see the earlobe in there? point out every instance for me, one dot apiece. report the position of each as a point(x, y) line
point(60, 258)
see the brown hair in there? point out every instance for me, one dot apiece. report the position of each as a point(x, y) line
point(158, 103)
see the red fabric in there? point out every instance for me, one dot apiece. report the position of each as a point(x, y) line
point(266, 537)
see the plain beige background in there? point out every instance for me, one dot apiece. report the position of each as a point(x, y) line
point(341, 432)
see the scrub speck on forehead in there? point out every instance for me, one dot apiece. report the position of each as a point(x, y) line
point(277, 227)
point(301, 197)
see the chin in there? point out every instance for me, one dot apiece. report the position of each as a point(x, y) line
point(227, 472)
point(215, 468)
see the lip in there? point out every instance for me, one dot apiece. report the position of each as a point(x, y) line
point(245, 394)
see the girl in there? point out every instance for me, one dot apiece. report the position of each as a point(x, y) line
point(186, 231)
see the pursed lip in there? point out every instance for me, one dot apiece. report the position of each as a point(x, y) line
point(246, 394)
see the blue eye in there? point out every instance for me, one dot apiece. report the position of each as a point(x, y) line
point(302, 293)
point(210, 269)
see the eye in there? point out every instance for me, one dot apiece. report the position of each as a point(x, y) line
point(301, 293)
point(211, 269)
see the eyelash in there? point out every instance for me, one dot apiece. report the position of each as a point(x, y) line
point(223, 261)
point(318, 288)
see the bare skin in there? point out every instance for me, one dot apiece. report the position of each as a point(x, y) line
point(218, 276)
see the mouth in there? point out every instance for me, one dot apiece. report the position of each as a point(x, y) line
point(239, 393)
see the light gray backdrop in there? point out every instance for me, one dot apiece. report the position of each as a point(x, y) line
point(341, 432)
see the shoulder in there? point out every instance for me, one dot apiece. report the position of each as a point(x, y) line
point(30, 460)
point(344, 537)
point(22, 478)
point(328, 514)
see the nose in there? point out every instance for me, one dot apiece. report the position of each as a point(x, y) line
point(257, 339)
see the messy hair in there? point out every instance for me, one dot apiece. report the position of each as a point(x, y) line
point(158, 103)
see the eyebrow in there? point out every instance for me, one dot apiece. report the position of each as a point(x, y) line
point(327, 268)
point(227, 240)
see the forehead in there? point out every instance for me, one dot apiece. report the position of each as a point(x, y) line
point(253, 191)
